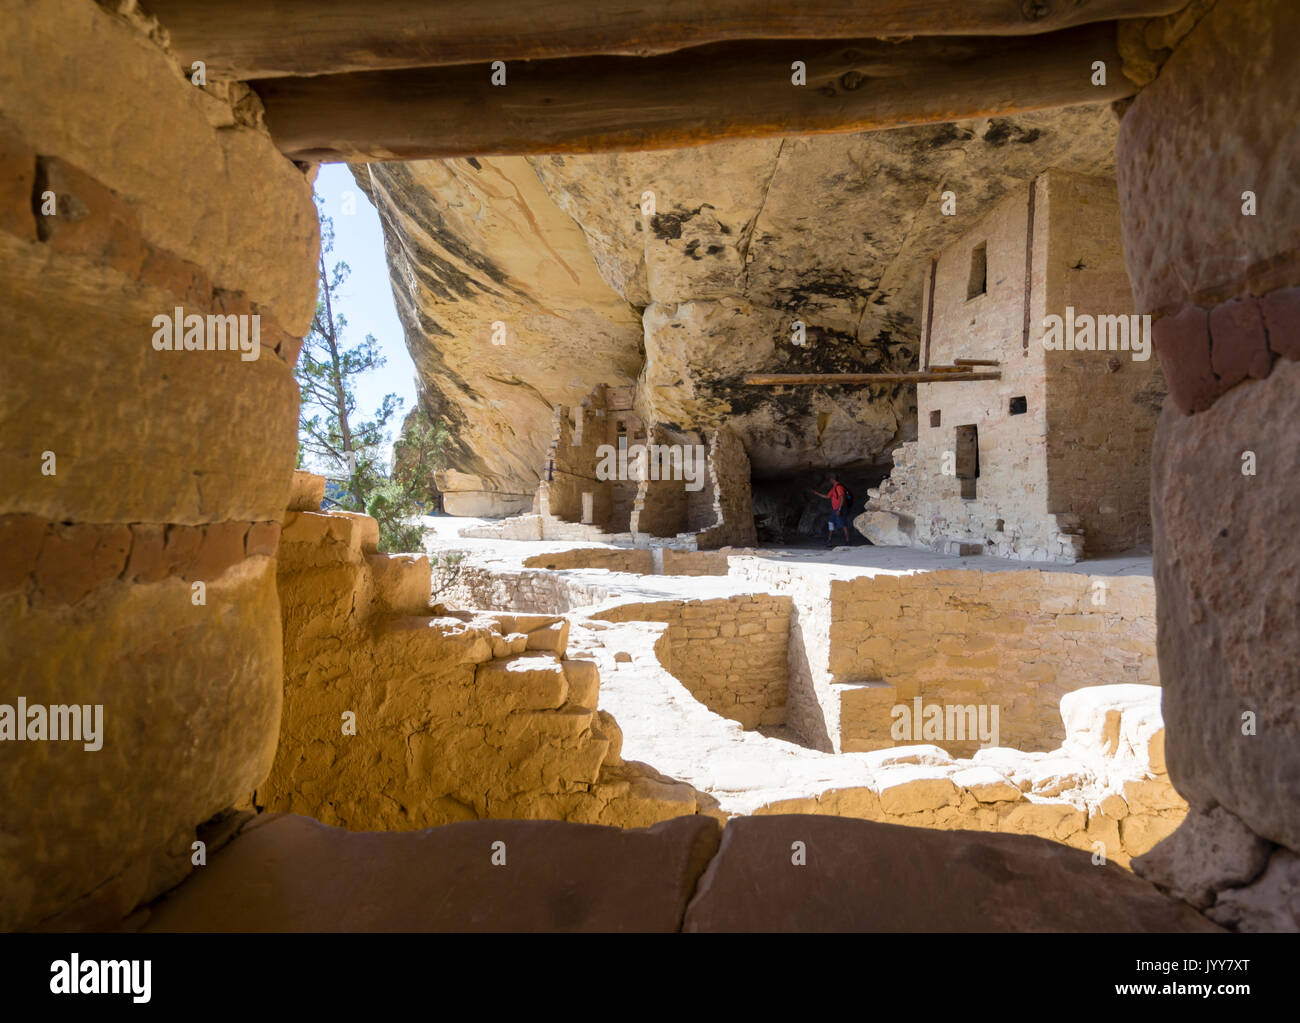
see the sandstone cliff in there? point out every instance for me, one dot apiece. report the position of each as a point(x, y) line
point(524, 282)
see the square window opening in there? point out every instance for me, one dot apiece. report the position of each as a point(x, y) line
point(979, 271)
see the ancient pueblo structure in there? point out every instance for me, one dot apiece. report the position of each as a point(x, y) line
point(1024, 279)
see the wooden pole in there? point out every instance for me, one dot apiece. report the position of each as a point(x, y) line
point(832, 379)
point(732, 90)
point(247, 39)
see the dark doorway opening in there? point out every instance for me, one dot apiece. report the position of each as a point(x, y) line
point(788, 514)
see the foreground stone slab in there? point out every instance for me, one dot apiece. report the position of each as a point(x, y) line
point(864, 876)
point(292, 874)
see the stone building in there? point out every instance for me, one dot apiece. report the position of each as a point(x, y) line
point(176, 469)
point(610, 477)
point(1050, 461)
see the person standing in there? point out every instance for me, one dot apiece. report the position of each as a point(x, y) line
point(838, 495)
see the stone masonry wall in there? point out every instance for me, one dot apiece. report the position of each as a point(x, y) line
point(1020, 640)
point(730, 653)
point(1101, 406)
point(1009, 513)
point(1068, 474)
point(1224, 284)
point(1105, 789)
point(731, 521)
point(131, 474)
point(399, 715)
point(571, 466)
point(661, 506)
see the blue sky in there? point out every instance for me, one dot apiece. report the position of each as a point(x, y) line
point(367, 297)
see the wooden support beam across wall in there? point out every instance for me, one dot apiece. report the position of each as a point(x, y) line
point(860, 379)
point(731, 90)
point(269, 38)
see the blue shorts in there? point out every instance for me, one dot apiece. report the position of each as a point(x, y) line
point(837, 520)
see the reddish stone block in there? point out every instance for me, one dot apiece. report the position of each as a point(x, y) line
point(221, 547)
point(231, 303)
point(75, 559)
point(92, 220)
point(188, 285)
point(1281, 312)
point(182, 548)
point(289, 348)
point(263, 538)
point(1238, 348)
point(17, 180)
point(1182, 344)
point(148, 561)
point(20, 545)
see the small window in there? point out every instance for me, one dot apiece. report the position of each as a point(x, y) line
point(979, 271)
point(1019, 405)
point(934, 418)
point(968, 459)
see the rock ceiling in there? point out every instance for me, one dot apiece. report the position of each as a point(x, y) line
point(554, 260)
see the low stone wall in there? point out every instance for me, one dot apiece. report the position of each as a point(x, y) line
point(642, 561)
point(730, 653)
point(1106, 783)
point(1015, 640)
point(692, 562)
point(533, 590)
point(397, 716)
point(1105, 790)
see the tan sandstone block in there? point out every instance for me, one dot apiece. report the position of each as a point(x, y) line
point(443, 879)
point(999, 883)
point(986, 785)
point(911, 789)
point(528, 681)
point(584, 682)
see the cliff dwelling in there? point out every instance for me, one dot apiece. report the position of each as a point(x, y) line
point(861, 469)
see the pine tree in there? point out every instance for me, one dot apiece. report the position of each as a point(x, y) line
point(330, 434)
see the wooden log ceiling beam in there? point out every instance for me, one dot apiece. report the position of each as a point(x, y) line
point(268, 38)
point(860, 379)
point(729, 90)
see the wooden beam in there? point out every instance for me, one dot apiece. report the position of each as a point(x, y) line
point(830, 379)
point(270, 38)
point(976, 362)
point(732, 90)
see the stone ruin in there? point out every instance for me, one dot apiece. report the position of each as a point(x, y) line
point(328, 720)
point(1050, 461)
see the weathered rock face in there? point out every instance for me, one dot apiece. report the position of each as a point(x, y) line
point(163, 470)
point(505, 313)
point(1224, 463)
point(401, 715)
point(685, 270)
point(445, 879)
point(1014, 883)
